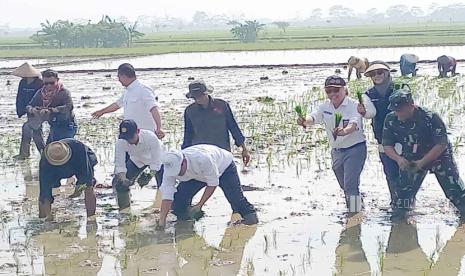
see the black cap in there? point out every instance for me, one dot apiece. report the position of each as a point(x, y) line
point(335, 81)
point(197, 88)
point(400, 98)
point(127, 129)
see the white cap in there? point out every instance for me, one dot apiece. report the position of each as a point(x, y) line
point(172, 161)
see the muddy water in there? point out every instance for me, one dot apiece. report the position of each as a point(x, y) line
point(303, 228)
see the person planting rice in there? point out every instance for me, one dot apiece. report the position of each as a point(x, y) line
point(408, 64)
point(345, 134)
point(425, 147)
point(64, 159)
point(144, 150)
point(360, 65)
point(197, 167)
point(446, 64)
point(378, 97)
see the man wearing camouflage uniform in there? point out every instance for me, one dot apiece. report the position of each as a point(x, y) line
point(425, 147)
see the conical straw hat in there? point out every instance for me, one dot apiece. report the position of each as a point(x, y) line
point(26, 71)
point(57, 153)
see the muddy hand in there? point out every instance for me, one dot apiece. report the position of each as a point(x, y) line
point(361, 109)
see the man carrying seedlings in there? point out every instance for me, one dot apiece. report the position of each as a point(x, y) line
point(378, 96)
point(63, 159)
point(345, 133)
point(425, 147)
point(360, 65)
point(209, 121)
point(139, 102)
point(446, 64)
point(32, 129)
point(144, 150)
point(197, 167)
point(54, 103)
point(408, 64)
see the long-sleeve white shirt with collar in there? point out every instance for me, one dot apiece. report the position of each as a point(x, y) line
point(137, 102)
point(147, 152)
point(205, 163)
point(369, 107)
point(326, 113)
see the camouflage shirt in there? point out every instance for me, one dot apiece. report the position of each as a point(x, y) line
point(418, 135)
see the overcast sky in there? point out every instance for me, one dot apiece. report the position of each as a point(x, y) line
point(29, 13)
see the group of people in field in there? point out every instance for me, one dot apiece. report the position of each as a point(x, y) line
point(412, 141)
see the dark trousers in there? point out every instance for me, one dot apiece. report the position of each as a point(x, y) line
point(446, 173)
point(58, 132)
point(229, 183)
point(30, 132)
point(133, 172)
point(391, 170)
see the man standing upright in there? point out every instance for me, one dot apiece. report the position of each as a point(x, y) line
point(209, 121)
point(30, 83)
point(138, 101)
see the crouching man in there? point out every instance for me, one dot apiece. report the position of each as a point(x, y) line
point(136, 150)
point(61, 160)
point(197, 167)
point(422, 136)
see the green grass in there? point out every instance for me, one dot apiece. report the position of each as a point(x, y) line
point(270, 39)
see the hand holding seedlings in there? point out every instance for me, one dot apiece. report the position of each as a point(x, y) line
point(301, 113)
point(54, 110)
point(338, 119)
point(160, 134)
point(361, 109)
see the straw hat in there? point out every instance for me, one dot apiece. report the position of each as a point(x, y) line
point(57, 153)
point(26, 71)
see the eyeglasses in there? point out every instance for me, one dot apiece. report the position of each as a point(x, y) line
point(378, 72)
point(49, 83)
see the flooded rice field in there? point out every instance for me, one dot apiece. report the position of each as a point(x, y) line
point(303, 229)
point(242, 58)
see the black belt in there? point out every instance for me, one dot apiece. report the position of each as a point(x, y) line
point(351, 147)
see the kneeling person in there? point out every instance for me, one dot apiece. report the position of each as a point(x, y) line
point(197, 167)
point(425, 147)
point(61, 160)
point(136, 149)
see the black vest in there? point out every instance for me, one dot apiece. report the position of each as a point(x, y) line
point(381, 104)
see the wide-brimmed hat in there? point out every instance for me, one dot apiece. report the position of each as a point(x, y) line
point(172, 162)
point(26, 71)
point(375, 65)
point(197, 88)
point(412, 58)
point(57, 153)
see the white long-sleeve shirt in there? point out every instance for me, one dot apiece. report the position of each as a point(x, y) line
point(137, 102)
point(369, 107)
point(325, 114)
point(147, 152)
point(205, 163)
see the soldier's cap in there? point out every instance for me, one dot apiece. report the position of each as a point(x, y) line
point(335, 81)
point(127, 129)
point(399, 98)
point(375, 65)
point(197, 88)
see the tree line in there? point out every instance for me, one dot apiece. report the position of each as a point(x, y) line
point(107, 33)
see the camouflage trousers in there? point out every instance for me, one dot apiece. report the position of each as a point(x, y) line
point(446, 173)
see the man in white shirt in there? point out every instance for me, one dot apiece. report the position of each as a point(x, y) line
point(196, 167)
point(136, 149)
point(138, 101)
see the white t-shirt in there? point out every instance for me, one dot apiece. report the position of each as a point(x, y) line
point(147, 152)
point(205, 163)
point(137, 101)
point(325, 114)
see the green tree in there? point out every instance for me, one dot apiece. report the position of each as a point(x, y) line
point(247, 32)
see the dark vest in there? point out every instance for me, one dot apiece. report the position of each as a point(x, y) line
point(381, 104)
